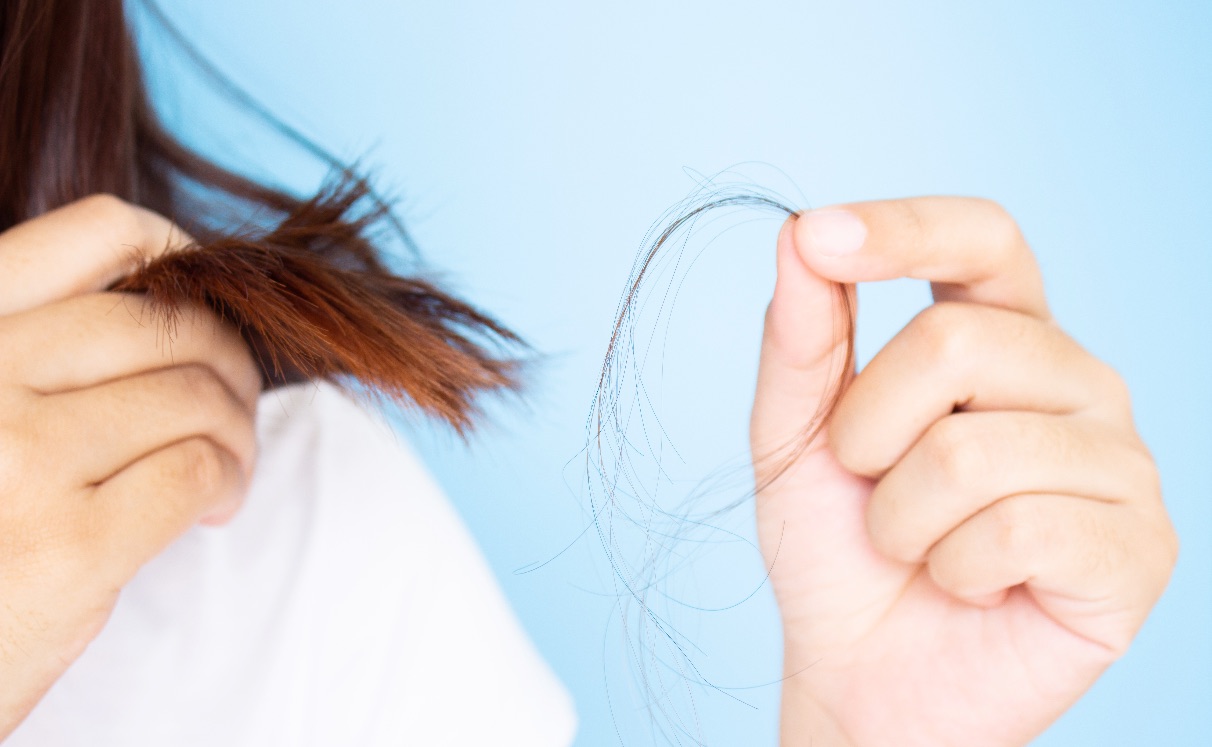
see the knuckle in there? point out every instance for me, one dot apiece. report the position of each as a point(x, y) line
point(1015, 529)
point(1004, 234)
point(947, 571)
point(200, 387)
point(1161, 546)
point(1170, 547)
point(888, 534)
point(1140, 473)
point(959, 455)
point(945, 334)
point(1162, 557)
point(216, 409)
point(104, 202)
point(1113, 389)
point(851, 452)
point(212, 397)
point(205, 397)
point(201, 467)
point(108, 209)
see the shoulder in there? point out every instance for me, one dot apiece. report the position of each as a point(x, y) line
point(406, 578)
point(344, 604)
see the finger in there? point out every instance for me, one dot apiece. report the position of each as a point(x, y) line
point(970, 249)
point(956, 356)
point(804, 351)
point(108, 427)
point(140, 510)
point(81, 247)
point(1097, 568)
point(85, 340)
point(968, 461)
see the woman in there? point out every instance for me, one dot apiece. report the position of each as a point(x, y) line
point(975, 536)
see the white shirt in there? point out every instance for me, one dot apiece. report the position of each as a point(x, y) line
point(345, 604)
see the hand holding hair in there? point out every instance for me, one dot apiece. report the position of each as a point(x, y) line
point(978, 531)
point(128, 394)
point(113, 439)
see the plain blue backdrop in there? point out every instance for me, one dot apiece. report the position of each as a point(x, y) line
point(534, 142)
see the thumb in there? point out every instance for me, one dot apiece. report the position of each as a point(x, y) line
point(79, 248)
point(806, 358)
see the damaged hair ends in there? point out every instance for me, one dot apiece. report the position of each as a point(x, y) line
point(307, 286)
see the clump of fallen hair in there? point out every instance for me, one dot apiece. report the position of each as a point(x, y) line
point(315, 302)
point(638, 530)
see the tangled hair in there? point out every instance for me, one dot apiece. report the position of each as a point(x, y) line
point(305, 284)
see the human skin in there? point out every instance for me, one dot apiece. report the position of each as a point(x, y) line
point(113, 438)
point(978, 531)
point(893, 540)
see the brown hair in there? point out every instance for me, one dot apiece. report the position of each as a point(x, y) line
point(310, 293)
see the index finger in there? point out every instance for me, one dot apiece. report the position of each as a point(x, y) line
point(970, 249)
point(82, 247)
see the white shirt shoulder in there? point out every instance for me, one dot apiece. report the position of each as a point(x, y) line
point(346, 604)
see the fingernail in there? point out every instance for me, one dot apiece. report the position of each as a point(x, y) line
point(832, 232)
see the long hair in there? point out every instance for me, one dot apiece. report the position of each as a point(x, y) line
point(307, 289)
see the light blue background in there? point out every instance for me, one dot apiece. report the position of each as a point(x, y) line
point(534, 142)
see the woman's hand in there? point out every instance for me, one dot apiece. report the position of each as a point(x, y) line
point(978, 532)
point(115, 437)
